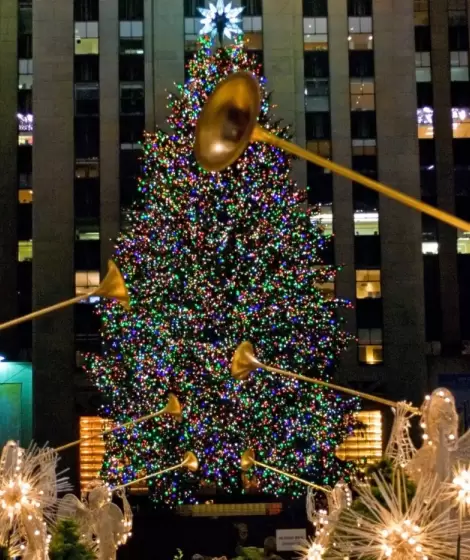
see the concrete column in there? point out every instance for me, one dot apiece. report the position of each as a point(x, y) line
point(440, 68)
point(343, 210)
point(109, 130)
point(284, 68)
point(53, 222)
point(164, 56)
point(8, 173)
point(400, 227)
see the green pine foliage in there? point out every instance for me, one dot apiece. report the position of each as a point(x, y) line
point(66, 545)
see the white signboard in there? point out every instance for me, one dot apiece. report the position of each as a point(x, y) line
point(290, 539)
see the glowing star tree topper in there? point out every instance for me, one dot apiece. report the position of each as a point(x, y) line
point(221, 20)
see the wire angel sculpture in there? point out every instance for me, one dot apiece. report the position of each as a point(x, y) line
point(389, 525)
point(439, 421)
point(324, 522)
point(29, 487)
point(103, 525)
point(400, 449)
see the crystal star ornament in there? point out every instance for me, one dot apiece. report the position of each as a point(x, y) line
point(221, 19)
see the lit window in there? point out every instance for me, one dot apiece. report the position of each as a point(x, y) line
point(460, 122)
point(430, 247)
point(91, 450)
point(315, 34)
point(367, 147)
point(368, 284)
point(25, 196)
point(86, 30)
point(131, 29)
point(463, 243)
point(423, 66)
point(370, 346)
point(86, 46)
point(87, 169)
point(362, 94)
point(360, 24)
point(317, 95)
point(253, 24)
point(421, 11)
point(86, 281)
point(459, 74)
point(320, 147)
point(325, 219)
point(366, 223)
point(25, 251)
point(360, 42)
point(365, 444)
point(25, 139)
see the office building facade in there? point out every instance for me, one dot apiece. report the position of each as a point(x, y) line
point(376, 85)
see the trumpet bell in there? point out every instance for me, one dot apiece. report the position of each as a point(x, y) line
point(173, 407)
point(247, 460)
point(227, 121)
point(243, 362)
point(190, 461)
point(113, 286)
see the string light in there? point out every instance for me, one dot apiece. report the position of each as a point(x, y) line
point(211, 260)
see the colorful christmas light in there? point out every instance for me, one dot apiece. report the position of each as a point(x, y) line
point(211, 260)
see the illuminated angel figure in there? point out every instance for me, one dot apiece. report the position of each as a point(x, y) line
point(221, 20)
point(28, 498)
point(391, 527)
point(400, 449)
point(103, 525)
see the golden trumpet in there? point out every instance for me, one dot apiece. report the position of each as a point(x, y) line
point(189, 462)
point(244, 363)
point(228, 123)
point(248, 460)
point(173, 407)
point(112, 287)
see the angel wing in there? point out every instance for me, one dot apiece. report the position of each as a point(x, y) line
point(110, 531)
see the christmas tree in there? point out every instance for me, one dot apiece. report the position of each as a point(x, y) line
point(212, 259)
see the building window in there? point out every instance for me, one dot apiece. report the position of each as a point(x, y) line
point(132, 99)
point(253, 33)
point(25, 251)
point(457, 13)
point(363, 124)
point(360, 42)
point(87, 99)
point(360, 8)
point(315, 8)
point(131, 46)
point(320, 147)
point(85, 281)
point(91, 448)
point(324, 218)
point(131, 29)
point(366, 223)
point(422, 38)
point(25, 196)
point(364, 147)
point(86, 10)
point(368, 284)
point(362, 94)
point(25, 73)
point(315, 33)
point(317, 95)
point(365, 445)
point(131, 10)
point(459, 66)
point(421, 12)
point(316, 64)
point(318, 126)
point(370, 346)
point(87, 232)
point(191, 7)
point(87, 46)
point(423, 66)
point(361, 64)
point(252, 7)
point(86, 68)
point(87, 169)
point(360, 25)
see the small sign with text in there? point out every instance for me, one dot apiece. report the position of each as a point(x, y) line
point(290, 539)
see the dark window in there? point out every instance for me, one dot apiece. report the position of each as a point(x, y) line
point(131, 129)
point(369, 313)
point(131, 45)
point(364, 199)
point(25, 159)
point(315, 8)
point(131, 68)
point(367, 165)
point(87, 99)
point(132, 100)
point(129, 163)
point(361, 64)
point(461, 152)
point(320, 185)
point(191, 7)
point(428, 181)
point(367, 251)
point(458, 38)
point(25, 222)
point(87, 68)
point(359, 8)
point(427, 153)
point(422, 38)
point(424, 93)
point(316, 64)
point(462, 181)
point(252, 7)
point(87, 255)
point(432, 298)
point(25, 20)
point(86, 10)
point(87, 198)
point(363, 124)
point(460, 94)
point(86, 322)
point(25, 45)
point(25, 101)
point(317, 126)
point(130, 10)
point(87, 137)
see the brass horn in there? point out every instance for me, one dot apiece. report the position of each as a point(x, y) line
point(189, 462)
point(228, 123)
point(112, 287)
point(248, 460)
point(173, 407)
point(244, 363)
